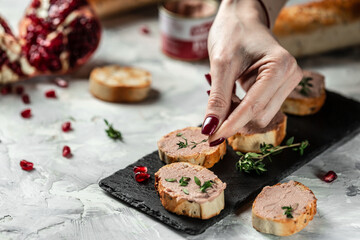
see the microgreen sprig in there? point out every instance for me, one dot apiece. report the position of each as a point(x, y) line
point(112, 132)
point(253, 161)
point(305, 86)
point(185, 143)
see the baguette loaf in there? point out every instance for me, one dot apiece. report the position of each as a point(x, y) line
point(189, 199)
point(202, 154)
point(249, 138)
point(318, 26)
point(120, 84)
point(283, 209)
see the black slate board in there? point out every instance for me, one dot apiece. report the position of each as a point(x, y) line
point(338, 121)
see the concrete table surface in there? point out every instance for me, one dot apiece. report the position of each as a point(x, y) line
point(61, 199)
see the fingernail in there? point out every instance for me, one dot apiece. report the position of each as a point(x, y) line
point(208, 92)
point(217, 142)
point(208, 78)
point(210, 124)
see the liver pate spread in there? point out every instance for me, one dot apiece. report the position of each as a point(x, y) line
point(181, 169)
point(318, 84)
point(253, 128)
point(168, 143)
point(270, 201)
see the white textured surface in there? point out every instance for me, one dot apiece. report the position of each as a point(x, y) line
point(61, 198)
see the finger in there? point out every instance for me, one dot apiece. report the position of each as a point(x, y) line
point(278, 99)
point(254, 102)
point(222, 85)
point(208, 79)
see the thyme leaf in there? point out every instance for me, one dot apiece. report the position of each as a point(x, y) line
point(206, 185)
point(197, 181)
point(250, 161)
point(185, 191)
point(184, 181)
point(185, 143)
point(170, 179)
point(305, 86)
point(112, 132)
point(288, 211)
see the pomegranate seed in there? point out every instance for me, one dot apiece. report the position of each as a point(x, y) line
point(19, 90)
point(330, 176)
point(50, 94)
point(25, 98)
point(27, 166)
point(66, 126)
point(61, 82)
point(137, 169)
point(145, 30)
point(6, 90)
point(141, 177)
point(26, 113)
point(66, 151)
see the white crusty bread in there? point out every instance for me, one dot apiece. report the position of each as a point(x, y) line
point(202, 155)
point(175, 200)
point(322, 26)
point(120, 84)
point(249, 138)
point(311, 103)
point(270, 218)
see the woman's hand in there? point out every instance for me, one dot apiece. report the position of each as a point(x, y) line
point(242, 48)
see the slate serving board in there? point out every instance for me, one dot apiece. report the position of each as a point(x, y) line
point(337, 121)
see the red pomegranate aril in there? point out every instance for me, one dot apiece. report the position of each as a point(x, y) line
point(66, 151)
point(330, 176)
point(27, 166)
point(66, 126)
point(6, 90)
point(61, 82)
point(26, 113)
point(145, 30)
point(25, 98)
point(137, 169)
point(141, 177)
point(50, 94)
point(19, 90)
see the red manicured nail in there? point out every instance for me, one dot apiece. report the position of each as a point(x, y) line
point(330, 176)
point(208, 78)
point(210, 124)
point(217, 142)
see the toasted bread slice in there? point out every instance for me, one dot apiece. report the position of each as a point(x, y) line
point(249, 138)
point(309, 101)
point(120, 84)
point(270, 206)
point(190, 200)
point(199, 154)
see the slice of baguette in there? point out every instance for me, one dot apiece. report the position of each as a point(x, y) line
point(202, 154)
point(120, 84)
point(249, 138)
point(268, 215)
point(299, 104)
point(324, 25)
point(195, 204)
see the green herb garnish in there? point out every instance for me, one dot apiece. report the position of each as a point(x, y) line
point(170, 179)
point(184, 181)
point(288, 211)
point(185, 191)
point(113, 133)
point(206, 185)
point(197, 181)
point(305, 86)
point(253, 161)
point(185, 144)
